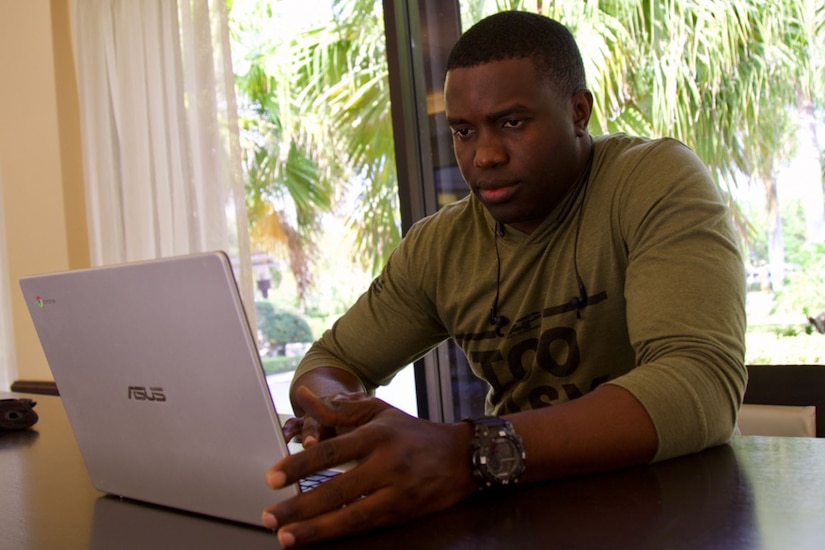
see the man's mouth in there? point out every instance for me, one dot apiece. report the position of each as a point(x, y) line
point(495, 194)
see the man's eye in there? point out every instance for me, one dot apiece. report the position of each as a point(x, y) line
point(461, 133)
point(512, 123)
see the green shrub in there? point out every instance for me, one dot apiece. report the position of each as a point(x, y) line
point(276, 365)
point(279, 328)
point(804, 291)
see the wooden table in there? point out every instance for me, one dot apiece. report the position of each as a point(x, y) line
point(756, 492)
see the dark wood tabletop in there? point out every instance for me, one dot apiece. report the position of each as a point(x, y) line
point(755, 492)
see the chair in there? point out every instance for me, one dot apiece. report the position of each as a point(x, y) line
point(42, 387)
point(793, 388)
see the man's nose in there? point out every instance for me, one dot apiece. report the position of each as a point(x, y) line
point(490, 151)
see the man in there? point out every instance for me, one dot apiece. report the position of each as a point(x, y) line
point(616, 331)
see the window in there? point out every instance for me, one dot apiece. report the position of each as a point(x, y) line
point(786, 298)
point(627, 53)
point(316, 134)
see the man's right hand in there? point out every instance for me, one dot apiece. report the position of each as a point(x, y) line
point(405, 468)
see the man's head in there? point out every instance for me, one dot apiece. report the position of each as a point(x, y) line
point(517, 106)
point(517, 34)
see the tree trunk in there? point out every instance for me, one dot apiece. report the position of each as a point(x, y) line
point(808, 162)
point(776, 244)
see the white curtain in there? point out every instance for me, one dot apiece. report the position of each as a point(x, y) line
point(161, 154)
point(8, 370)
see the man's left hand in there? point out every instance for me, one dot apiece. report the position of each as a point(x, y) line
point(405, 468)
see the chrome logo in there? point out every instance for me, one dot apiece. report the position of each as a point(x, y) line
point(43, 302)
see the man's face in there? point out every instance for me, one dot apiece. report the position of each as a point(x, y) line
point(518, 143)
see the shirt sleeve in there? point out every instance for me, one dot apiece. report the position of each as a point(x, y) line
point(390, 326)
point(685, 293)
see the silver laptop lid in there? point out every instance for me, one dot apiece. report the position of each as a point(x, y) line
point(161, 380)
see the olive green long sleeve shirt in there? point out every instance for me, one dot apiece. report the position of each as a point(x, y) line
point(663, 316)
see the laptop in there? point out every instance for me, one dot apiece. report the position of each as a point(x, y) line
point(160, 376)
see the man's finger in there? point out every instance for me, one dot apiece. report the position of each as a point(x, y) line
point(343, 410)
point(292, 427)
point(323, 455)
point(337, 492)
point(310, 432)
point(375, 510)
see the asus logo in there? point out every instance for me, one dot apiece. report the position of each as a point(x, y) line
point(140, 393)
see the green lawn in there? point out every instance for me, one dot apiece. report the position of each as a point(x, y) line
point(773, 347)
point(275, 365)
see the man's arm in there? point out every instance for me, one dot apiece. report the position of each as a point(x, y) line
point(410, 467)
point(603, 430)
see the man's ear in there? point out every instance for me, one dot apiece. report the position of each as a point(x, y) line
point(582, 103)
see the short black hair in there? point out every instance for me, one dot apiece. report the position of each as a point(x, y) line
point(520, 34)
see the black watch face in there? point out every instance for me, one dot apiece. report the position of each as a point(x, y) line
point(505, 459)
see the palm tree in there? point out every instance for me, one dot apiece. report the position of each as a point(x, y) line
point(717, 74)
point(805, 37)
point(286, 193)
point(341, 75)
point(317, 133)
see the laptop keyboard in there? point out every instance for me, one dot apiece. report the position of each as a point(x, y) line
point(312, 481)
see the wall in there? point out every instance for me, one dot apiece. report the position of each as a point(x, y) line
point(42, 183)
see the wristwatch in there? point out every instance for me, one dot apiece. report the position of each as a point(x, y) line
point(497, 453)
